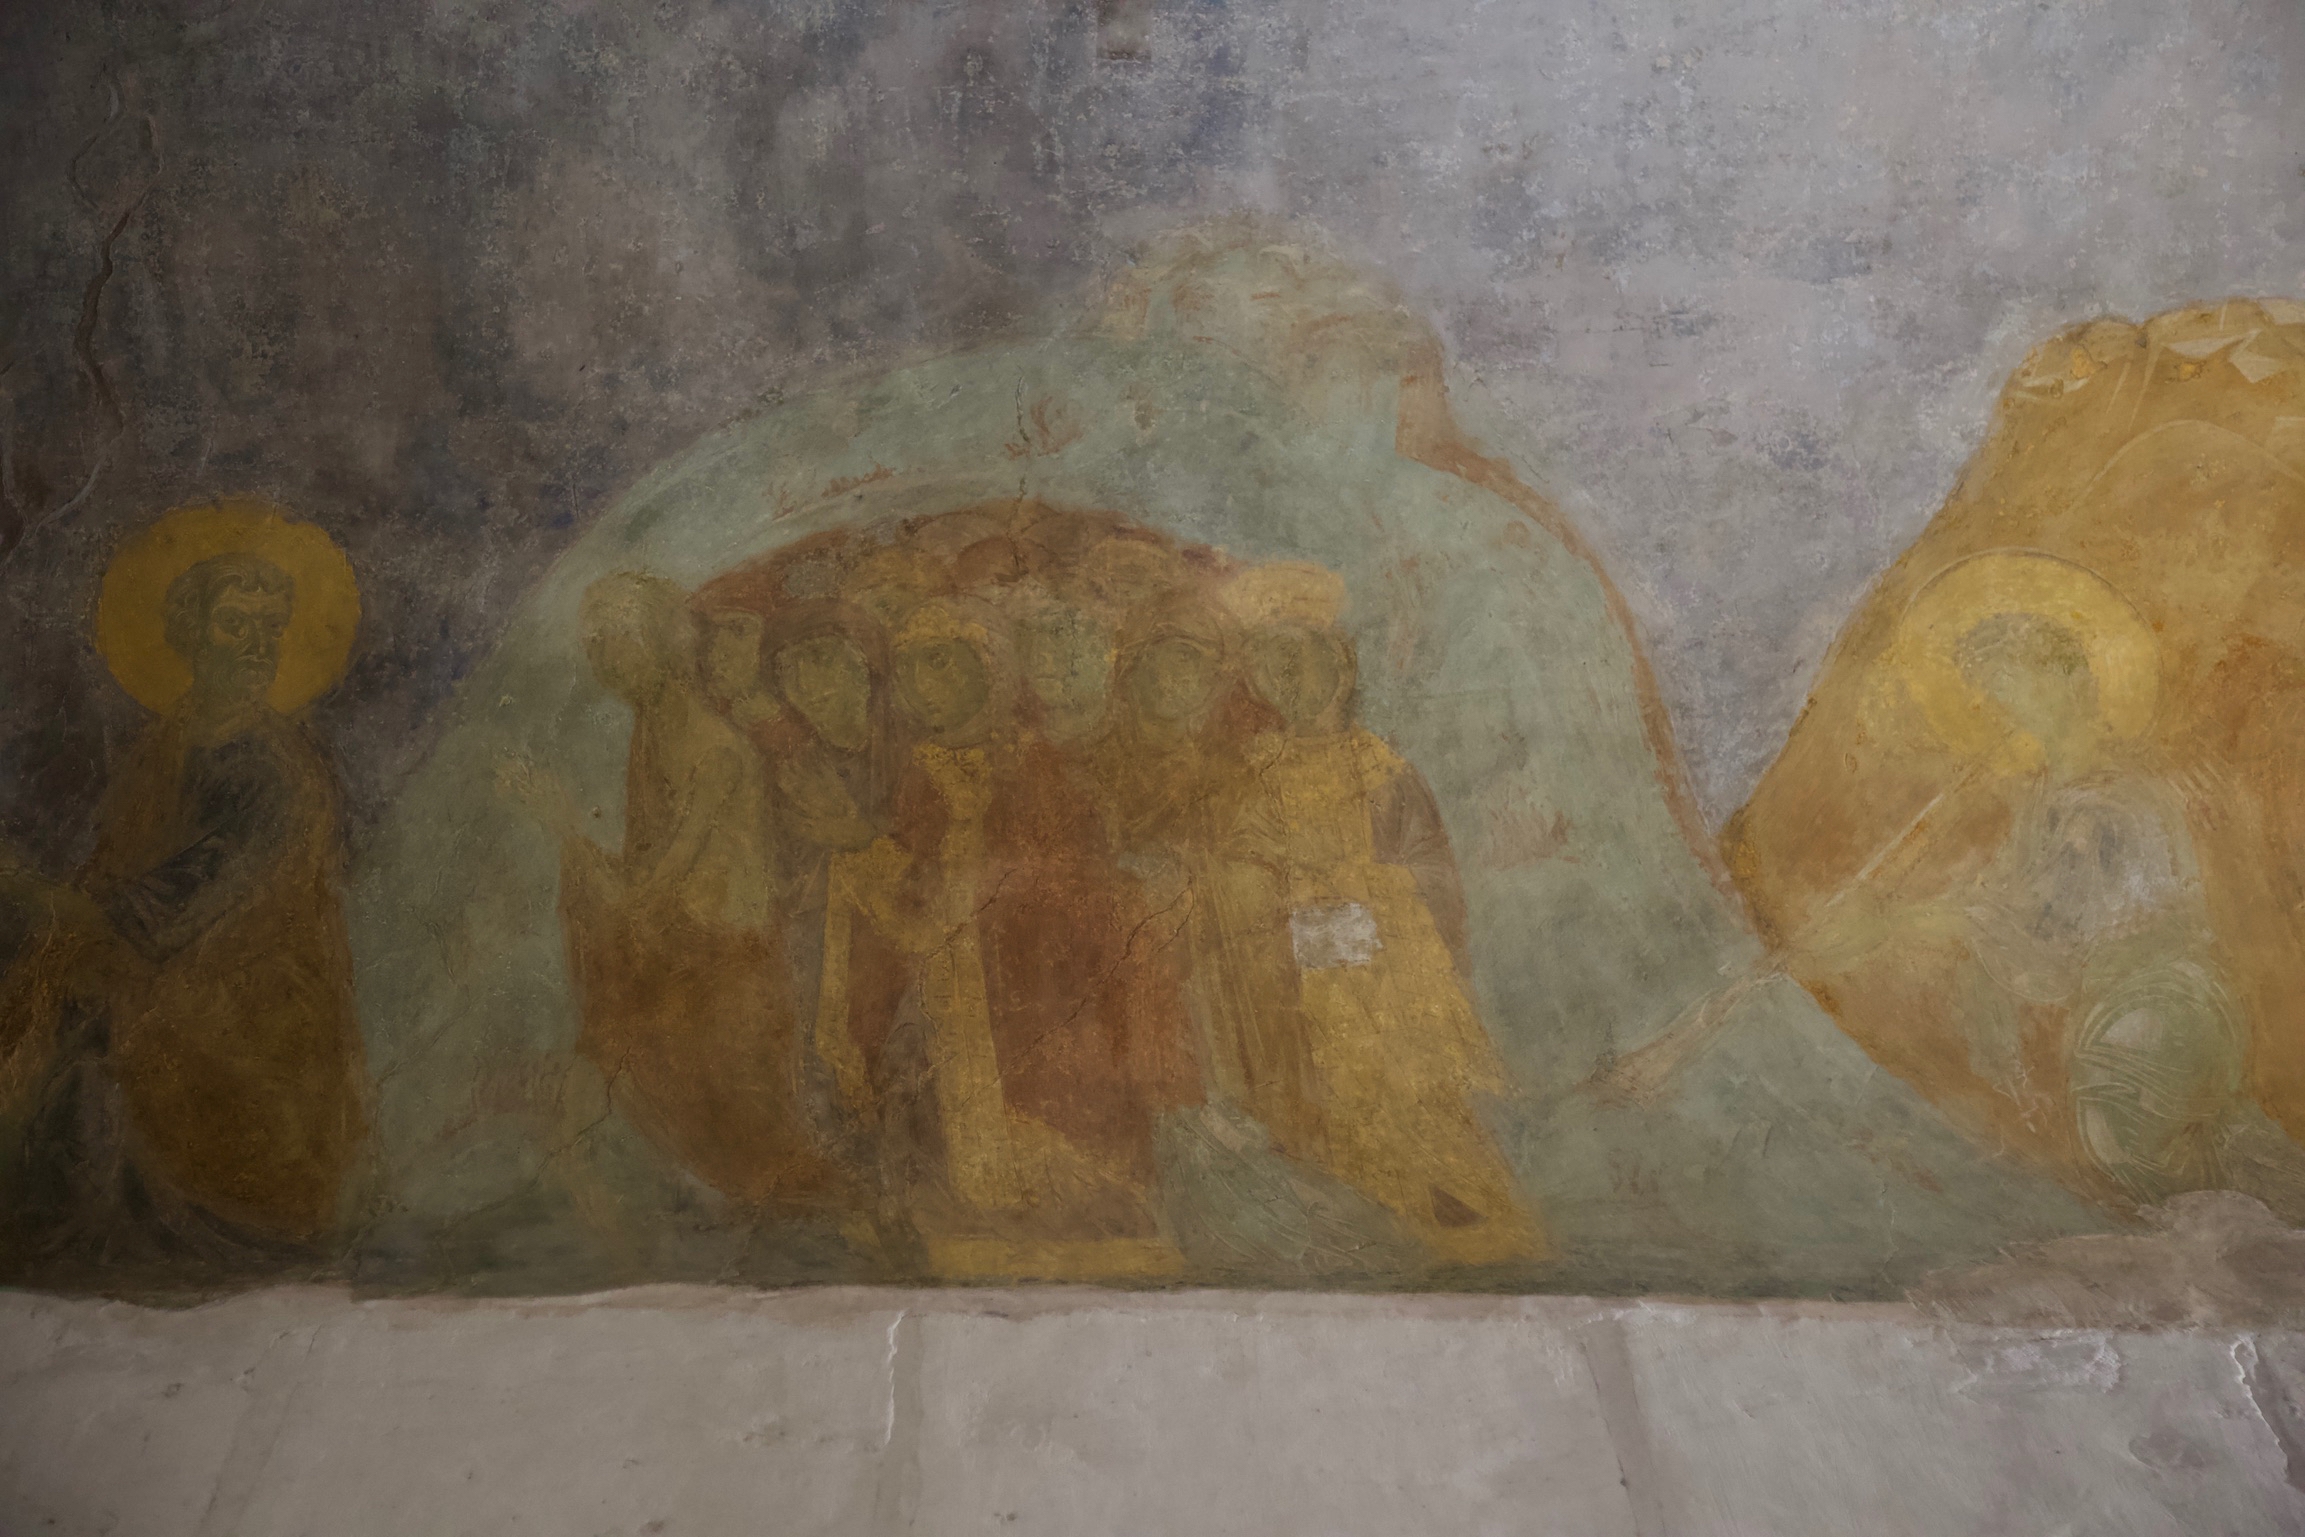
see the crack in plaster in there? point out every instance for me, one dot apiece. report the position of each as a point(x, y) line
point(1609, 1361)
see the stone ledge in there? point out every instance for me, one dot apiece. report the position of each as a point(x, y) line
point(668, 1410)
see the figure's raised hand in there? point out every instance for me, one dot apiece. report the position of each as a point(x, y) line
point(2212, 791)
point(1635, 1081)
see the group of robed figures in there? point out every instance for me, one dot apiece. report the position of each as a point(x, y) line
point(964, 858)
point(971, 864)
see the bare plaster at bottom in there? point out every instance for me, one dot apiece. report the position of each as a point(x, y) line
point(676, 1410)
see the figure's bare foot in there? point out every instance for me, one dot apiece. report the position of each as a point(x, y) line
point(1639, 1078)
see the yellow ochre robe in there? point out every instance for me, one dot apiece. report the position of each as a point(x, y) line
point(1370, 905)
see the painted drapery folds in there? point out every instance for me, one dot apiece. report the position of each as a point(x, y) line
point(177, 1043)
point(1074, 833)
point(1159, 805)
point(2035, 840)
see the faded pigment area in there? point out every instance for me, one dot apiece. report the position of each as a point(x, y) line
point(823, 755)
point(1489, 660)
point(1741, 278)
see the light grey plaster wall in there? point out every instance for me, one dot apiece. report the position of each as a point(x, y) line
point(445, 274)
point(678, 1411)
point(1748, 276)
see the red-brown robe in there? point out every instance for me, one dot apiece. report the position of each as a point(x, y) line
point(804, 849)
point(1088, 1018)
point(811, 822)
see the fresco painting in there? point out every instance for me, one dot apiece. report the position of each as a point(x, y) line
point(2063, 718)
point(1111, 842)
point(177, 1038)
point(1159, 805)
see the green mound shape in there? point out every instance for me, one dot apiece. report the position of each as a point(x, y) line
point(1783, 1162)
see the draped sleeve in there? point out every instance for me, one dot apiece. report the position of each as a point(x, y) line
point(240, 810)
point(1406, 828)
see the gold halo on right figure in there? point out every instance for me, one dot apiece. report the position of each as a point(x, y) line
point(2124, 657)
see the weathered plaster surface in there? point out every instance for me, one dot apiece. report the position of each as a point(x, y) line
point(446, 276)
point(1746, 274)
point(683, 1410)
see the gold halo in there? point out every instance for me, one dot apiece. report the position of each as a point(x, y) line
point(2124, 658)
point(131, 613)
point(1286, 592)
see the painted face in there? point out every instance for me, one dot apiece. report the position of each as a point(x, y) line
point(732, 655)
point(1174, 678)
point(617, 641)
point(2035, 670)
point(1297, 671)
point(826, 679)
point(942, 683)
point(1067, 659)
point(239, 650)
